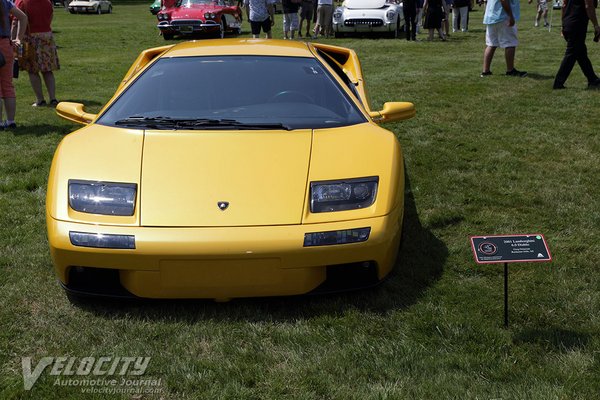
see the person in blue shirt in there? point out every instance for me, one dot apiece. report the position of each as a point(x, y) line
point(500, 20)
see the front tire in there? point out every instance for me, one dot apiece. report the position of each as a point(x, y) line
point(222, 28)
point(168, 36)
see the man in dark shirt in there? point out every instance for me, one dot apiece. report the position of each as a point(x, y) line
point(410, 18)
point(575, 17)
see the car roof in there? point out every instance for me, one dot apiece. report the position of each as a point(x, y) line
point(266, 47)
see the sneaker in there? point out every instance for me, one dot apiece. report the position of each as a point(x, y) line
point(39, 104)
point(536, 24)
point(515, 72)
point(53, 103)
point(12, 125)
point(558, 87)
point(484, 74)
point(594, 85)
point(546, 24)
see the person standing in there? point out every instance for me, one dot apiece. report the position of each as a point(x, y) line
point(409, 7)
point(7, 89)
point(306, 14)
point(324, 18)
point(290, 18)
point(434, 15)
point(500, 21)
point(542, 11)
point(260, 15)
point(460, 15)
point(45, 58)
point(576, 15)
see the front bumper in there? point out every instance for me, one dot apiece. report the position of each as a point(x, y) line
point(188, 27)
point(82, 9)
point(363, 25)
point(224, 263)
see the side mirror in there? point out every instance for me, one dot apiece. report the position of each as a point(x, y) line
point(74, 112)
point(394, 111)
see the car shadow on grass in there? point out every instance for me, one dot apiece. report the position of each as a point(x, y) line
point(418, 266)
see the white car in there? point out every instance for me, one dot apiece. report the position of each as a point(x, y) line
point(90, 6)
point(366, 16)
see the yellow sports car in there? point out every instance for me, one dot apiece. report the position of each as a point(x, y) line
point(229, 168)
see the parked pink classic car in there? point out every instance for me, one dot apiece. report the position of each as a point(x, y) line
point(194, 17)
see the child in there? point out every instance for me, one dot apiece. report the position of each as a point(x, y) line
point(542, 10)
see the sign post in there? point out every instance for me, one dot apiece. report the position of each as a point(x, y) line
point(506, 249)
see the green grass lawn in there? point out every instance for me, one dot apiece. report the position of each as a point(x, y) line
point(483, 156)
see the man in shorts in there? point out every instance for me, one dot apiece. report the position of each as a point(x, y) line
point(306, 14)
point(260, 15)
point(501, 31)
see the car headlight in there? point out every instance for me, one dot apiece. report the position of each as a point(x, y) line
point(337, 15)
point(209, 15)
point(163, 17)
point(346, 194)
point(102, 197)
point(390, 15)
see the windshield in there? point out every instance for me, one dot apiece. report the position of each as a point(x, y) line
point(292, 92)
point(188, 3)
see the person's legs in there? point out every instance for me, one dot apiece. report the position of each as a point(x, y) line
point(568, 61)
point(50, 84)
point(36, 85)
point(255, 27)
point(464, 17)
point(584, 62)
point(409, 22)
point(327, 21)
point(509, 55)
point(488, 55)
point(10, 103)
point(294, 25)
point(319, 22)
point(441, 34)
point(455, 15)
point(300, 26)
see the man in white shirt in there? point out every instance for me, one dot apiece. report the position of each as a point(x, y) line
point(260, 15)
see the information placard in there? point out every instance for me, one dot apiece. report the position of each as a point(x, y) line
point(510, 248)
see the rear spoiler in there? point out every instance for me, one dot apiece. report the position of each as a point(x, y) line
point(349, 63)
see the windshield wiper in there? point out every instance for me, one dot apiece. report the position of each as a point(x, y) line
point(229, 123)
point(156, 122)
point(195, 123)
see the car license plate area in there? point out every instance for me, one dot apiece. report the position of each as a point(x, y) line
point(186, 29)
point(219, 273)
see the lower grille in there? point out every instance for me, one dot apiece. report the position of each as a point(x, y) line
point(364, 21)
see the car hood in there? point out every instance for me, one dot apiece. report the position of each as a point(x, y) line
point(364, 4)
point(262, 176)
